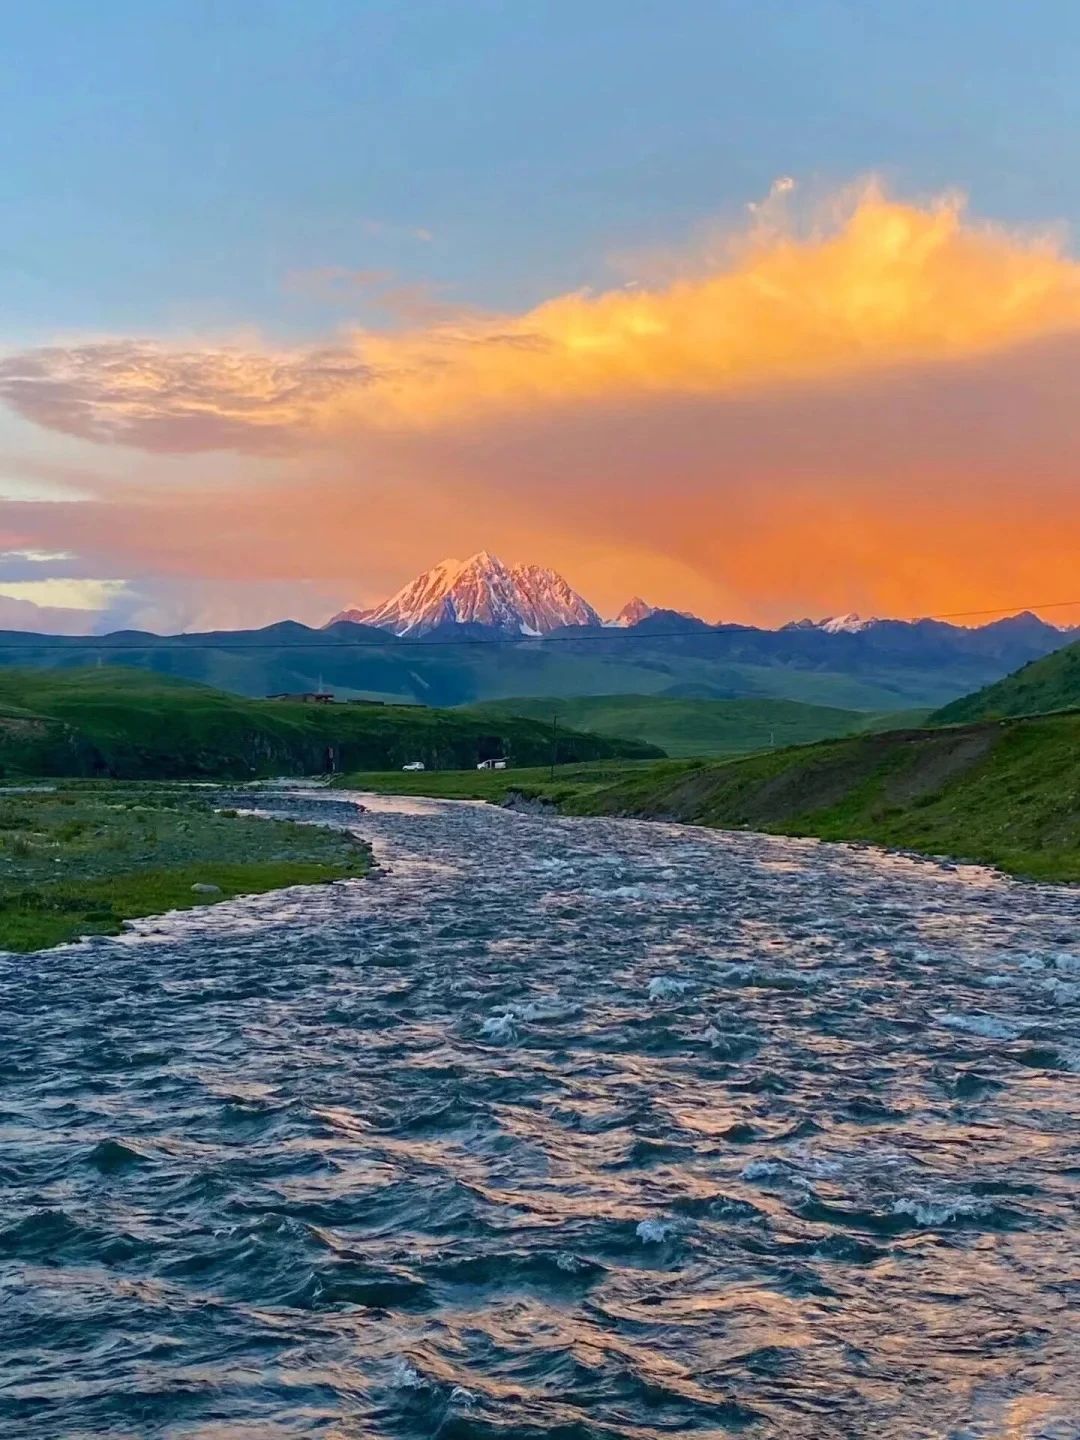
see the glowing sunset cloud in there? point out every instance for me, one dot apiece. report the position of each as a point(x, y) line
point(875, 412)
point(890, 284)
point(893, 285)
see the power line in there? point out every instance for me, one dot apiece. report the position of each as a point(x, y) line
point(181, 644)
point(1001, 610)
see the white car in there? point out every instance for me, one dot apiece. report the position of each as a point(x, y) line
point(414, 765)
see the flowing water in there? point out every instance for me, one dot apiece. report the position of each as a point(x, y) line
point(558, 1128)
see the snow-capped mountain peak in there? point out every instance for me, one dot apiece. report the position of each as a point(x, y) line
point(519, 599)
point(631, 613)
point(849, 624)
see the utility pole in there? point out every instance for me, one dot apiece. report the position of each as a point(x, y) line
point(554, 742)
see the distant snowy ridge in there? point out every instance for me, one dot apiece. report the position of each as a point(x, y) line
point(632, 613)
point(850, 624)
point(530, 600)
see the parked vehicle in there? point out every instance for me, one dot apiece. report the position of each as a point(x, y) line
point(414, 765)
point(492, 765)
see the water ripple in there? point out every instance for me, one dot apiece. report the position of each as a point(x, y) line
point(556, 1128)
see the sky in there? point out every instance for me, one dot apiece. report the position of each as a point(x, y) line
point(757, 309)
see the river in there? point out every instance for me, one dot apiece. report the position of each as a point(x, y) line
point(557, 1128)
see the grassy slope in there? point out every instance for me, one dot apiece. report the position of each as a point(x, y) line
point(1003, 794)
point(570, 781)
point(685, 727)
point(1052, 683)
point(537, 671)
point(131, 723)
point(82, 859)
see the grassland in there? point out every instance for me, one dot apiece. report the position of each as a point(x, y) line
point(698, 727)
point(356, 661)
point(1052, 683)
point(83, 858)
point(131, 724)
point(1003, 793)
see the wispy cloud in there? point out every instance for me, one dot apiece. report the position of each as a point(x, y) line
point(334, 282)
point(390, 228)
point(18, 614)
point(29, 478)
point(34, 557)
point(66, 594)
point(163, 398)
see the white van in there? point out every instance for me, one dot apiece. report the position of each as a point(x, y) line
point(492, 765)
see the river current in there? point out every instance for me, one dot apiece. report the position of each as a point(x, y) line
point(555, 1128)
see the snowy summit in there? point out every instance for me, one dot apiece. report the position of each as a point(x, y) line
point(845, 624)
point(519, 599)
point(850, 624)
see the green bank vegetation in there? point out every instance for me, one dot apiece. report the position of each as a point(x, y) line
point(83, 858)
point(1003, 793)
point(497, 786)
point(1052, 683)
point(692, 727)
point(132, 724)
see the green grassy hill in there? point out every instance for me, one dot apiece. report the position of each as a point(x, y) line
point(556, 670)
point(698, 727)
point(1052, 683)
point(1005, 793)
point(134, 724)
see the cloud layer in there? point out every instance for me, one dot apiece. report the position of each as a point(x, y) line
point(873, 410)
point(891, 285)
point(163, 398)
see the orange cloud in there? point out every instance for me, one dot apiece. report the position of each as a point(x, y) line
point(876, 413)
point(901, 492)
point(890, 284)
point(894, 285)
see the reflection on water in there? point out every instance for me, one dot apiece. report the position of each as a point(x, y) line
point(557, 1128)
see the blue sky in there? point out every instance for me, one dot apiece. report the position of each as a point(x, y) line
point(169, 164)
point(298, 298)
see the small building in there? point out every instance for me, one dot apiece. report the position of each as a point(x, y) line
point(306, 697)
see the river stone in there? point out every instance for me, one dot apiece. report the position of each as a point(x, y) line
point(201, 888)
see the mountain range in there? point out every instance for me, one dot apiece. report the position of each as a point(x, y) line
point(512, 599)
point(482, 630)
point(530, 600)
